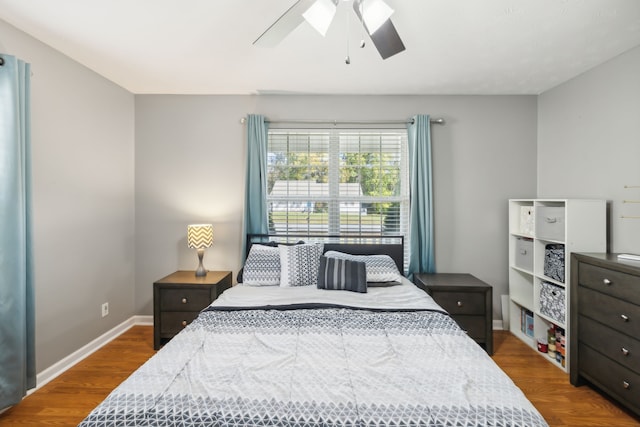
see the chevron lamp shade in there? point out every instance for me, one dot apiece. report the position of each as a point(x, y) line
point(199, 236)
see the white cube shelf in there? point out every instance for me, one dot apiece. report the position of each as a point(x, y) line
point(579, 225)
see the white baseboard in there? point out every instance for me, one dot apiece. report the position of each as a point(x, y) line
point(143, 320)
point(497, 325)
point(60, 367)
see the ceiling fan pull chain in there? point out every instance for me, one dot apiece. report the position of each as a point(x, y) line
point(347, 60)
point(362, 30)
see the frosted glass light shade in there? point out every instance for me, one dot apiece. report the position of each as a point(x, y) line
point(375, 13)
point(320, 15)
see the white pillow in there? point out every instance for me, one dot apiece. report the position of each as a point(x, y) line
point(262, 267)
point(380, 268)
point(299, 264)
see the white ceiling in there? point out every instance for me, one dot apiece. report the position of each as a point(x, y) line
point(452, 46)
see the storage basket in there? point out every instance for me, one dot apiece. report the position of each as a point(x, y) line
point(552, 302)
point(524, 253)
point(554, 262)
point(550, 222)
point(527, 220)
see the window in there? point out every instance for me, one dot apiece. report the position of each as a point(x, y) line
point(338, 182)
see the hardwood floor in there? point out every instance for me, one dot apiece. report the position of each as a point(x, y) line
point(560, 403)
point(66, 400)
point(69, 398)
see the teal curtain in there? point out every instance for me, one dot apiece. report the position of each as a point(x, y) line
point(255, 205)
point(421, 248)
point(17, 317)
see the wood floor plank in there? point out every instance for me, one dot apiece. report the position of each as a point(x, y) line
point(69, 398)
point(550, 391)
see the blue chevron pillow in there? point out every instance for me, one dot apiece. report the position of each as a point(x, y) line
point(342, 275)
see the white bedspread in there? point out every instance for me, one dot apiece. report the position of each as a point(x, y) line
point(243, 363)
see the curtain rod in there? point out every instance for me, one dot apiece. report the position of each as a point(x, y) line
point(438, 121)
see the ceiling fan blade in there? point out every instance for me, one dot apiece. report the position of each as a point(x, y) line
point(386, 39)
point(285, 24)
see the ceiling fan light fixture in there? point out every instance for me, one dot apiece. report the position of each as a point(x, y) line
point(375, 13)
point(320, 15)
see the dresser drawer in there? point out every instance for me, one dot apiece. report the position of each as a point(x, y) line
point(612, 377)
point(616, 346)
point(615, 283)
point(173, 322)
point(461, 302)
point(474, 325)
point(184, 299)
point(617, 314)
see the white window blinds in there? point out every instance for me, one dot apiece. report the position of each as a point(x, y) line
point(338, 182)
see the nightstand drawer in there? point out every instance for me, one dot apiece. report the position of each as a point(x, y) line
point(179, 297)
point(184, 299)
point(474, 325)
point(466, 298)
point(461, 302)
point(173, 322)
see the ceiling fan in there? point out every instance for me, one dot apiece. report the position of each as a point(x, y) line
point(373, 14)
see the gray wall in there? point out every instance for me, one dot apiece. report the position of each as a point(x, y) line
point(83, 189)
point(589, 143)
point(189, 167)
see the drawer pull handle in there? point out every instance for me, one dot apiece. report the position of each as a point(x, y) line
point(523, 251)
point(624, 317)
point(626, 385)
point(625, 352)
point(184, 323)
point(184, 300)
point(606, 281)
point(550, 220)
point(459, 303)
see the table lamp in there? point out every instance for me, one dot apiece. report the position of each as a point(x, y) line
point(200, 237)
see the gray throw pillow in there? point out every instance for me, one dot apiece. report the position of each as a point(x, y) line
point(342, 274)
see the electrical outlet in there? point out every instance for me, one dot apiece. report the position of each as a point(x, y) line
point(105, 309)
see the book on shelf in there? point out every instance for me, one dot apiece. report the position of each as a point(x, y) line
point(526, 322)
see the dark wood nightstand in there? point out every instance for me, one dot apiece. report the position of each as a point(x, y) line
point(468, 300)
point(179, 298)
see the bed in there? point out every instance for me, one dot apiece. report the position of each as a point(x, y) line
point(305, 356)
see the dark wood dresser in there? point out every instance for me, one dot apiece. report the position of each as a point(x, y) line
point(605, 325)
point(468, 300)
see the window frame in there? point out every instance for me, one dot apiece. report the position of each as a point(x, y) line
point(333, 139)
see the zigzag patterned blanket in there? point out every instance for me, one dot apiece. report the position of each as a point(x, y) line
point(326, 366)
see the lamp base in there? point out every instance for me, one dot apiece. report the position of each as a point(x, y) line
point(200, 272)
